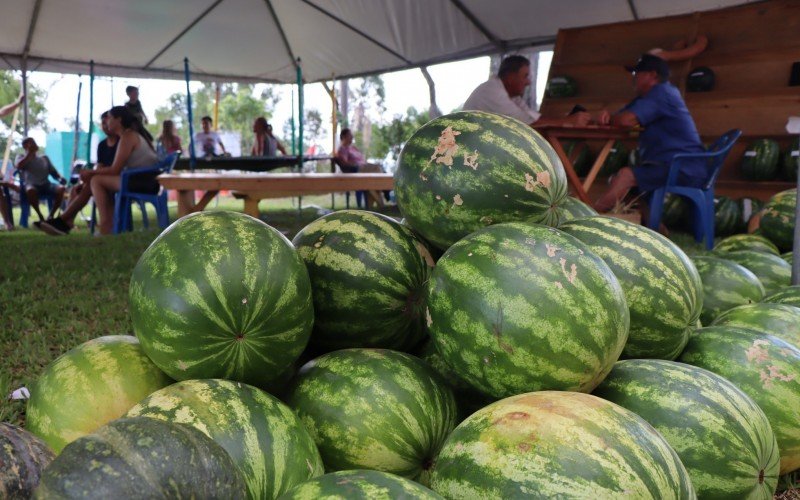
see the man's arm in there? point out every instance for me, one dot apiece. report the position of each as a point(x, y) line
point(624, 119)
point(8, 108)
point(219, 140)
point(580, 119)
point(53, 172)
point(280, 148)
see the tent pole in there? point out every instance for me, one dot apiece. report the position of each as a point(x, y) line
point(332, 93)
point(77, 129)
point(216, 107)
point(299, 116)
point(25, 102)
point(796, 240)
point(192, 158)
point(294, 146)
point(91, 112)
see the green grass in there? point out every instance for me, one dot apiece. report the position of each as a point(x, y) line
point(57, 292)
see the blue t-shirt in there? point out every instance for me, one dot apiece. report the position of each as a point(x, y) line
point(668, 129)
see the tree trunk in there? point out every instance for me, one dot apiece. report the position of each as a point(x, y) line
point(434, 110)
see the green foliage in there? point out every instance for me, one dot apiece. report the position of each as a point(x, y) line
point(10, 84)
point(390, 138)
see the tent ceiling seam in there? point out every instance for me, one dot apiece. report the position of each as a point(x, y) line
point(634, 12)
point(500, 44)
point(278, 24)
point(182, 33)
point(37, 7)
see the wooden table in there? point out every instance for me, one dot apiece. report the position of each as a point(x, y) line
point(247, 163)
point(608, 133)
point(268, 185)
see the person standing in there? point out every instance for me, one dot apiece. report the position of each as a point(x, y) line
point(134, 105)
point(5, 211)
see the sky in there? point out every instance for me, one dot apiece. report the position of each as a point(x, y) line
point(454, 82)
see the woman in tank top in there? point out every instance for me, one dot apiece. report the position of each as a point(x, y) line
point(134, 150)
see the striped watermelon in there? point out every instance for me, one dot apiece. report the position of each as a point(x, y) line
point(760, 160)
point(661, 285)
point(789, 295)
point(677, 212)
point(221, 294)
point(23, 456)
point(788, 257)
point(727, 216)
point(143, 458)
point(374, 409)
point(722, 436)
point(764, 367)
point(360, 485)
point(750, 242)
point(772, 271)
point(558, 445)
point(573, 208)
point(467, 170)
point(579, 155)
point(89, 386)
point(616, 159)
point(517, 307)
point(264, 438)
point(789, 161)
point(726, 284)
point(777, 219)
point(780, 320)
point(368, 275)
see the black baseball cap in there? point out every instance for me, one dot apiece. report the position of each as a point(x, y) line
point(649, 62)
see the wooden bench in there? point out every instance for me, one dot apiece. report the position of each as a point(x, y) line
point(256, 186)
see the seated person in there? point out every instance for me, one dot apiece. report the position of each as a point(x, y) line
point(351, 160)
point(134, 150)
point(82, 193)
point(169, 141)
point(208, 140)
point(265, 144)
point(502, 94)
point(668, 130)
point(36, 171)
point(4, 203)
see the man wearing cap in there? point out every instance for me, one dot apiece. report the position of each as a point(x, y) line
point(668, 130)
point(502, 94)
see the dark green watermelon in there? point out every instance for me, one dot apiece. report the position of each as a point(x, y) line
point(779, 320)
point(143, 458)
point(789, 295)
point(789, 161)
point(677, 212)
point(727, 216)
point(616, 159)
point(772, 271)
point(726, 285)
point(749, 207)
point(573, 208)
point(760, 160)
point(23, 456)
point(750, 242)
point(360, 485)
point(777, 219)
point(578, 153)
point(561, 86)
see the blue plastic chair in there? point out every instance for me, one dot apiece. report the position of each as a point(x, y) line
point(703, 197)
point(124, 198)
point(24, 206)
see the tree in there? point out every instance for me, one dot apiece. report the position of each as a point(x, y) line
point(10, 85)
point(389, 139)
point(312, 127)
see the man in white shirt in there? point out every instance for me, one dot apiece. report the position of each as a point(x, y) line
point(502, 94)
point(207, 140)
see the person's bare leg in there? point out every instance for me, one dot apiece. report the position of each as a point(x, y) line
point(57, 201)
point(4, 211)
point(80, 198)
point(621, 184)
point(33, 201)
point(103, 189)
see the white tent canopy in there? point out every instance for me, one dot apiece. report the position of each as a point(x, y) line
point(261, 40)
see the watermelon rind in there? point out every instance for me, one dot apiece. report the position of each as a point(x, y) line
point(772, 271)
point(726, 285)
point(778, 217)
point(780, 320)
point(573, 208)
point(750, 242)
point(789, 295)
point(760, 160)
point(23, 457)
point(360, 485)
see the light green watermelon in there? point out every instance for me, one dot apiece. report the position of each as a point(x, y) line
point(23, 457)
point(265, 439)
point(143, 458)
point(721, 435)
point(789, 161)
point(727, 216)
point(573, 208)
point(221, 295)
point(726, 284)
point(89, 386)
point(760, 160)
point(368, 276)
point(467, 170)
point(558, 445)
point(765, 368)
point(662, 287)
point(360, 485)
point(780, 320)
point(374, 409)
point(789, 295)
point(517, 306)
point(777, 219)
point(753, 242)
point(772, 271)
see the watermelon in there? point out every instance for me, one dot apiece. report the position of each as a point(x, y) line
point(721, 435)
point(89, 386)
point(266, 441)
point(777, 219)
point(360, 485)
point(661, 285)
point(749, 207)
point(789, 161)
point(765, 368)
point(789, 483)
point(561, 86)
point(616, 159)
point(467, 170)
point(579, 155)
point(780, 320)
point(788, 257)
point(558, 445)
point(368, 275)
point(23, 456)
point(772, 271)
point(516, 307)
point(374, 409)
point(221, 295)
point(789, 295)
point(727, 216)
point(751, 242)
point(573, 208)
point(726, 284)
point(760, 160)
point(143, 458)
point(677, 212)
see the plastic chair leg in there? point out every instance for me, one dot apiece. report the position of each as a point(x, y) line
point(119, 216)
point(162, 211)
point(709, 229)
point(24, 209)
point(143, 208)
point(347, 200)
point(656, 209)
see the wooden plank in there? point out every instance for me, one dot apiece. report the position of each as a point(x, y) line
point(278, 182)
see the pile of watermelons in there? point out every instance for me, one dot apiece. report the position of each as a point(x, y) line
point(502, 341)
